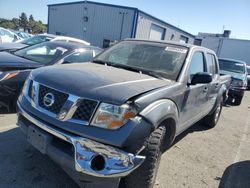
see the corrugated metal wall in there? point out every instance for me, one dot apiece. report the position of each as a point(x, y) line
point(235, 49)
point(144, 25)
point(104, 22)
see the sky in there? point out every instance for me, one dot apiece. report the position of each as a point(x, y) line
point(192, 16)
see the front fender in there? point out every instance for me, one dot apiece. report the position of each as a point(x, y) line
point(159, 111)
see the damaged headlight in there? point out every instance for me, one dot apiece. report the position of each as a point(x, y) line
point(8, 75)
point(112, 116)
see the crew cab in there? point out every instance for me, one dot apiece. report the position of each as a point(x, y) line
point(109, 120)
point(238, 71)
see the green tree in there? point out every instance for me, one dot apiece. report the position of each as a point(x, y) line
point(31, 23)
point(23, 21)
point(15, 21)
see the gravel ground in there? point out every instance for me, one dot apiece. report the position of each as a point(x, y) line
point(218, 157)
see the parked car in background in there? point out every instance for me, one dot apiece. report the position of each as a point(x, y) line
point(15, 67)
point(248, 77)
point(21, 34)
point(38, 39)
point(7, 36)
point(112, 118)
point(237, 69)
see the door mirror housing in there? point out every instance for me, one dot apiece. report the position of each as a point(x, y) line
point(201, 78)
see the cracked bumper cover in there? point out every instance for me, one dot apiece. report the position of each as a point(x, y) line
point(118, 163)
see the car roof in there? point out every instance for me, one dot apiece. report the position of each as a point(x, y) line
point(73, 45)
point(61, 37)
point(234, 60)
point(172, 42)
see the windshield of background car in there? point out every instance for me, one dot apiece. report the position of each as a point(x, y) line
point(43, 53)
point(163, 59)
point(232, 66)
point(36, 40)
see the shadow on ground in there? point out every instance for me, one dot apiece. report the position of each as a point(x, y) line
point(236, 175)
point(23, 166)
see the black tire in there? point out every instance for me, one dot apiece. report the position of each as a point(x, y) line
point(238, 100)
point(212, 119)
point(144, 176)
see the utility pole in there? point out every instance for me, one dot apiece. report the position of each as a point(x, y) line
point(123, 16)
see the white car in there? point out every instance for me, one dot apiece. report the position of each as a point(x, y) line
point(38, 39)
point(7, 36)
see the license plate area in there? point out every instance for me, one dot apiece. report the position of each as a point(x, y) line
point(38, 138)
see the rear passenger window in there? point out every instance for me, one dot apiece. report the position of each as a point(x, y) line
point(212, 64)
point(197, 64)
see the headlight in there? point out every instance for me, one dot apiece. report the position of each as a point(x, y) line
point(111, 116)
point(9, 75)
point(236, 83)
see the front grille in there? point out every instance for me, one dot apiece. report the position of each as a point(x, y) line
point(85, 110)
point(30, 89)
point(60, 99)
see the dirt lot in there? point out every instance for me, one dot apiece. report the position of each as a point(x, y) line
point(218, 157)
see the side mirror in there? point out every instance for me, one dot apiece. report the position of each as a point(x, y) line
point(201, 78)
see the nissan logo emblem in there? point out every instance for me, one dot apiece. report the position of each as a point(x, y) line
point(48, 99)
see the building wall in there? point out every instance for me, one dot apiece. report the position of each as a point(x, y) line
point(228, 48)
point(104, 22)
point(236, 49)
point(144, 25)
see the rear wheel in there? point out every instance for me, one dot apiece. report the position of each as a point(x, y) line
point(212, 119)
point(145, 175)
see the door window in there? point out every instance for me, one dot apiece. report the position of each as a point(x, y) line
point(197, 64)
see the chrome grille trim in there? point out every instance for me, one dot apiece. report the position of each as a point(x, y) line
point(72, 100)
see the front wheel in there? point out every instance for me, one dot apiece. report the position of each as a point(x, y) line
point(212, 119)
point(144, 176)
point(238, 100)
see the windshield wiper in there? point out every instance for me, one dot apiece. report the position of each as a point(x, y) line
point(155, 74)
point(100, 61)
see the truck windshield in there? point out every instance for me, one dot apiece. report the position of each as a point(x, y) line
point(232, 66)
point(163, 60)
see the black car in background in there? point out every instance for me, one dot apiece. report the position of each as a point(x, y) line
point(13, 46)
point(16, 66)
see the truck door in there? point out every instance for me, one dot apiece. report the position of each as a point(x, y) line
point(196, 96)
point(212, 68)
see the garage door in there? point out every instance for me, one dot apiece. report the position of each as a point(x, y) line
point(156, 32)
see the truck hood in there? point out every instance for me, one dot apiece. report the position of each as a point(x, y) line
point(10, 61)
point(234, 75)
point(11, 46)
point(99, 82)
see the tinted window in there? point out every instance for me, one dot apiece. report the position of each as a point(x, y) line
point(78, 57)
point(197, 63)
point(160, 59)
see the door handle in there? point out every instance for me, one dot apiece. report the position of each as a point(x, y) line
point(205, 89)
point(216, 85)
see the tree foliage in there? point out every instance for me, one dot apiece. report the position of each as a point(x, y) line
point(30, 25)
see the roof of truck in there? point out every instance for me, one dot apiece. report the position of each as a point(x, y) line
point(171, 42)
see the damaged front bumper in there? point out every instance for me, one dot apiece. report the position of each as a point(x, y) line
point(91, 157)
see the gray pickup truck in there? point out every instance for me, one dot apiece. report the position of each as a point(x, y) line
point(107, 122)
